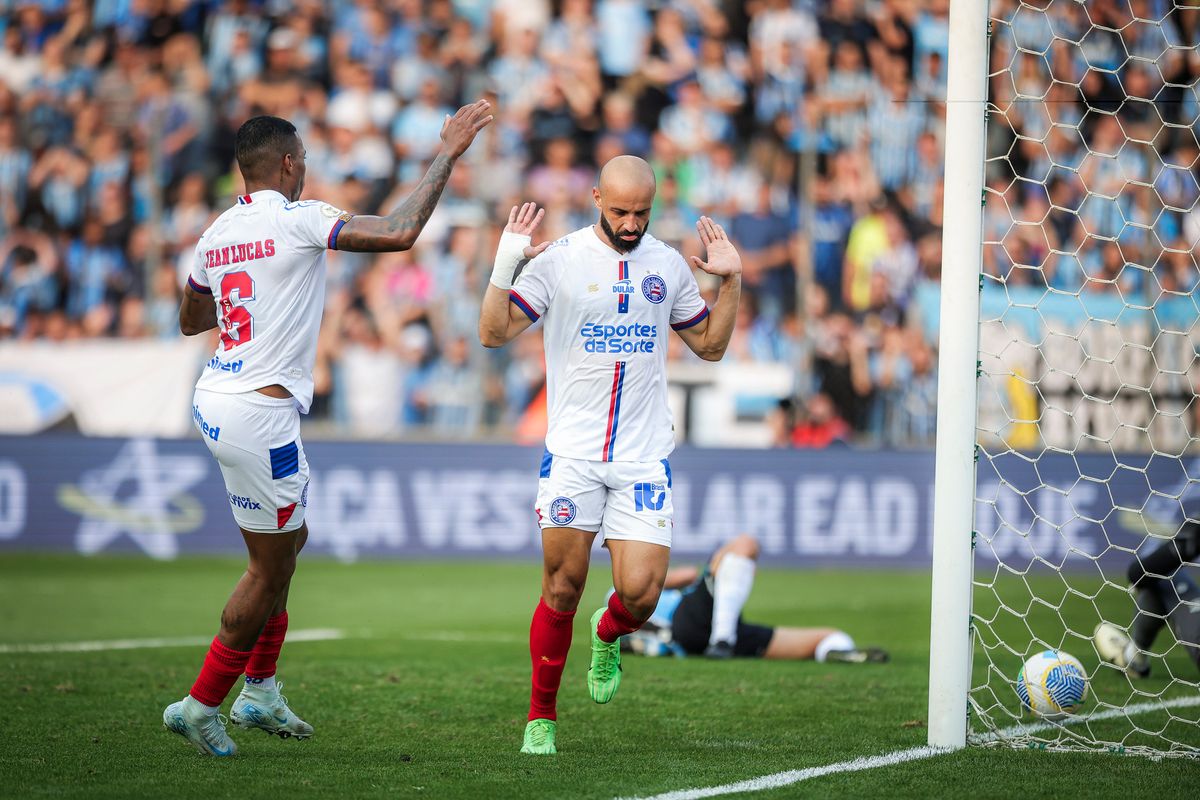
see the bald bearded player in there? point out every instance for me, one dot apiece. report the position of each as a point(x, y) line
point(608, 296)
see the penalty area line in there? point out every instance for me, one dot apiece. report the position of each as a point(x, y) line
point(781, 779)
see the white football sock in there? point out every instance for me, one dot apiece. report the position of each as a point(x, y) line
point(261, 684)
point(731, 589)
point(837, 640)
point(196, 705)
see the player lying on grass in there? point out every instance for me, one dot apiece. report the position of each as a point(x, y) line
point(610, 295)
point(259, 275)
point(700, 612)
point(1164, 593)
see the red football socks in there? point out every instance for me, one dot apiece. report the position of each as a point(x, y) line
point(222, 667)
point(549, 641)
point(266, 649)
point(616, 622)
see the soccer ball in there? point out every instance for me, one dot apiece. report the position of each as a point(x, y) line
point(1052, 684)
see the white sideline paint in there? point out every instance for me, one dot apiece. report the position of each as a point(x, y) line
point(302, 635)
point(780, 779)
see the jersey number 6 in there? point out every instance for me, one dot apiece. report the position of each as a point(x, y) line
point(237, 326)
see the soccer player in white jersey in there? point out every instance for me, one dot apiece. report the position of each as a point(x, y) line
point(259, 276)
point(609, 295)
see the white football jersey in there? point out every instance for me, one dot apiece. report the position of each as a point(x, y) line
point(263, 261)
point(607, 319)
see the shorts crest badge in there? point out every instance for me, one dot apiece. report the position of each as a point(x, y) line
point(562, 511)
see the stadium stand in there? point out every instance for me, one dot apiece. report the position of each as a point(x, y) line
point(812, 131)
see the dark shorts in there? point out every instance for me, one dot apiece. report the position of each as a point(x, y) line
point(692, 625)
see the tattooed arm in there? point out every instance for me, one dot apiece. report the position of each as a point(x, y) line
point(399, 230)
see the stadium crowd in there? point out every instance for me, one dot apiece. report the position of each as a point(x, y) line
point(812, 130)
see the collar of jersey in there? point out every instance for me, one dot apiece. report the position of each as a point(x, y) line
point(263, 194)
point(612, 251)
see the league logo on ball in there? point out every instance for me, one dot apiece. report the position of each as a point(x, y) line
point(1052, 684)
point(655, 289)
point(562, 511)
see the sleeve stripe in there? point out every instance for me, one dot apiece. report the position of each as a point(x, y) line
point(523, 305)
point(197, 287)
point(331, 244)
point(687, 323)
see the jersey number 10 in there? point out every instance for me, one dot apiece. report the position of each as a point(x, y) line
point(237, 326)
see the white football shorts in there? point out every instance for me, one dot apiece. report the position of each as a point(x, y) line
point(256, 440)
point(620, 499)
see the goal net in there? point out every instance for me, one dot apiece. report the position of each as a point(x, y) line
point(1086, 457)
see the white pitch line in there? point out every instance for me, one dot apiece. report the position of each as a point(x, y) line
point(302, 635)
point(467, 637)
point(1025, 729)
point(781, 779)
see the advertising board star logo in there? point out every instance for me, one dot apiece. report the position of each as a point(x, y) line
point(140, 494)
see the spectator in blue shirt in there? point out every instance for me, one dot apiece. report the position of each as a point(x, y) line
point(27, 280)
point(94, 268)
point(765, 239)
point(832, 221)
point(624, 27)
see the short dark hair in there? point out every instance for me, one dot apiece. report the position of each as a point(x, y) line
point(261, 142)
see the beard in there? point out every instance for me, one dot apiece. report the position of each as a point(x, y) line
point(619, 244)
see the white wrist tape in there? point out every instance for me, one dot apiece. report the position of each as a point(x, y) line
point(509, 255)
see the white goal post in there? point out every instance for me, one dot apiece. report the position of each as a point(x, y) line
point(958, 348)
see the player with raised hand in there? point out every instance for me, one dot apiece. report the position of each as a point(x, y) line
point(259, 276)
point(610, 293)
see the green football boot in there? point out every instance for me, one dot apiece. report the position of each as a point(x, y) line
point(604, 676)
point(539, 737)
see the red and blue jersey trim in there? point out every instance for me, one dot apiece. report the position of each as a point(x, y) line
point(687, 323)
point(523, 304)
point(331, 243)
point(622, 299)
point(614, 411)
point(245, 200)
point(198, 288)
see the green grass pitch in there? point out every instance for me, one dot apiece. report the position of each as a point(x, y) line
point(426, 697)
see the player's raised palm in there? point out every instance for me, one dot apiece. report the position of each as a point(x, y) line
point(523, 221)
point(723, 258)
point(459, 131)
